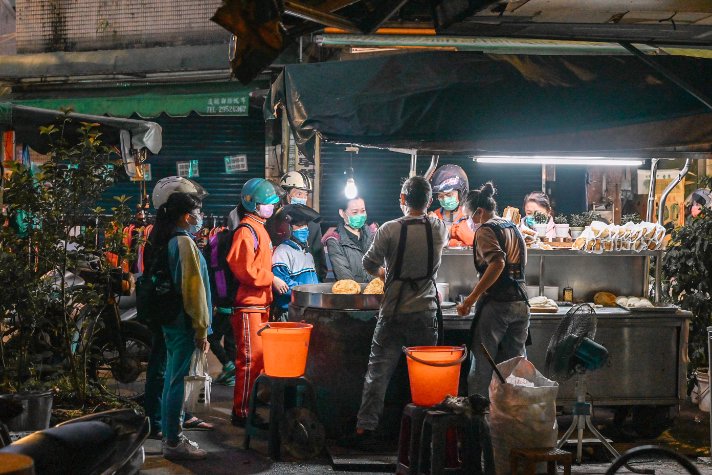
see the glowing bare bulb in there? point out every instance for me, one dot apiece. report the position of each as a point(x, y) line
point(350, 189)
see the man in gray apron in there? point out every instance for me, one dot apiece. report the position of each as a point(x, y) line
point(406, 253)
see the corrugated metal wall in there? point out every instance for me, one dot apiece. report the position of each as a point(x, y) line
point(380, 173)
point(82, 25)
point(208, 140)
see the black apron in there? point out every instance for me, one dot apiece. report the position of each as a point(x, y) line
point(510, 285)
point(429, 274)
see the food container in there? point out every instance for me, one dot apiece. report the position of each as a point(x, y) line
point(443, 291)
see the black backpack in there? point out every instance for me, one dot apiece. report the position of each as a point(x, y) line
point(158, 302)
point(223, 283)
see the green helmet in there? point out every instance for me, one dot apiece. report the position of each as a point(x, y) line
point(258, 191)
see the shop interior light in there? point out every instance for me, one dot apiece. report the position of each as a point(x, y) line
point(558, 160)
point(350, 190)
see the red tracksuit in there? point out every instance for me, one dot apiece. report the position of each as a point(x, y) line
point(253, 269)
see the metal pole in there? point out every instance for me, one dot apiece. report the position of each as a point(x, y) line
point(709, 371)
point(317, 172)
point(286, 141)
point(651, 190)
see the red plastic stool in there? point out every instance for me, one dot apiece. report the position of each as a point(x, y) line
point(409, 439)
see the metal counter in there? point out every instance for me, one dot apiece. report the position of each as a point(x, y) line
point(647, 362)
point(620, 272)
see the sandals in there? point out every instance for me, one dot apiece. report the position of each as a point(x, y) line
point(196, 423)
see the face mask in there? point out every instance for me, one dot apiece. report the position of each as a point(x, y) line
point(473, 226)
point(357, 221)
point(529, 221)
point(265, 211)
point(301, 234)
point(404, 209)
point(298, 201)
point(450, 203)
point(194, 228)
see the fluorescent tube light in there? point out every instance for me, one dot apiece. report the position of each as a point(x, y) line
point(560, 160)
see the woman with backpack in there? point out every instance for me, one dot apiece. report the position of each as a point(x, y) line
point(172, 252)
point(250, 260)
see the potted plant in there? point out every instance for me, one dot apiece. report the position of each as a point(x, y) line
point(39, 251)
point(687, 280)
point(541, 222)
point(576, 224)
point(562, 226)
point(633, 217)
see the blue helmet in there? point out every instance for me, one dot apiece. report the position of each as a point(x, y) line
point(257, 191)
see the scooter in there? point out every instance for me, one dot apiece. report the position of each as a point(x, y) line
point(105, 443)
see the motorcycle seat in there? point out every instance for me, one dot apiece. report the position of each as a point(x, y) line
point(78, 448)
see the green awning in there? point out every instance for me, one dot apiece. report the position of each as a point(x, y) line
point(220, 99)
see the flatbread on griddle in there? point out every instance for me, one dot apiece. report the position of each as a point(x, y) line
point(346, 286)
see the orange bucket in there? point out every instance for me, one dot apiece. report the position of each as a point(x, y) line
point(434, 372)
point(284, 348)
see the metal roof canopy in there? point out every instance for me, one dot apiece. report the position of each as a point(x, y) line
point(500, 104)
point(26, 121)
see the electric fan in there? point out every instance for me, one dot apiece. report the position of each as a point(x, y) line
point(572, 351)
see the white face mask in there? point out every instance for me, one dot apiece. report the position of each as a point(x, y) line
point(404, 209)
point(473, 226)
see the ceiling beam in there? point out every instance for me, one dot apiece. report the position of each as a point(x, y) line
point(306, 12)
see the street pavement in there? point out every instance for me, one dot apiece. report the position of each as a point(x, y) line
point(689, 435)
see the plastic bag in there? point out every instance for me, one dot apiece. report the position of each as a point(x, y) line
point(197, 384)
point(521, 416)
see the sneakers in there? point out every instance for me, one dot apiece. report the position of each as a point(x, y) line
point(185, 450)
point(227, 377)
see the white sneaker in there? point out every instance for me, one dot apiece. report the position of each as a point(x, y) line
point(185, 450)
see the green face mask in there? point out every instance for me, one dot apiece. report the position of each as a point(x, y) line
point(357, 221)
point(450, 203)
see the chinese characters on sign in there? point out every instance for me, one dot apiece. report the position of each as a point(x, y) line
point(235, 164)
point(187, 169)
point(228, 105)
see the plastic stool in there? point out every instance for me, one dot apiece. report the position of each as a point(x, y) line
point(532, 456)
point(446, 439)
point(278, 387)
point(409, 439)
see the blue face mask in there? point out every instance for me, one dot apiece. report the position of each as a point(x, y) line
point(298, 201)
point(194, 228)
point(301, 235)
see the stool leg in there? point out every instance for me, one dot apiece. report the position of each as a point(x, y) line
point(251, 411)
point(276, 412)
point(514, 464)
point(551, 467)
point(530, 467)
point(437, 454)
point(567, 468)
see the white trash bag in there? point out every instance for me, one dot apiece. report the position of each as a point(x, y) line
point(197, 384)
point(522, 410)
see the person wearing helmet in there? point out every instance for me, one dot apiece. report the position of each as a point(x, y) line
point(291, 261)
point(698, 200)
point(451, 185)
point(250, 259)
point(298, 187)
point(165, 187)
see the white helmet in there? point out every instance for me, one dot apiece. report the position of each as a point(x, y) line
point(296, 179)
point(165, 187)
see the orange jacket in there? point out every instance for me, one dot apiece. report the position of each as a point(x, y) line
point(253, 269)
point(460, 233)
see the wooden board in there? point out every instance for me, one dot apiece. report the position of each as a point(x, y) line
point(543, 310)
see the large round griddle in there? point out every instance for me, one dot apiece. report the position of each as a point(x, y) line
point(320, 296)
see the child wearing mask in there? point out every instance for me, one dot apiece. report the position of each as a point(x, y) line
point(291, 261)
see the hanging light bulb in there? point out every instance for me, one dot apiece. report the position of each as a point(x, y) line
point(350, 190)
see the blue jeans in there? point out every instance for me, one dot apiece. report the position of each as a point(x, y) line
point(180, 343)
point(390, 336)
point(502, 329)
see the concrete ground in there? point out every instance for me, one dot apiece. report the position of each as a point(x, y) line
point(689, 436)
